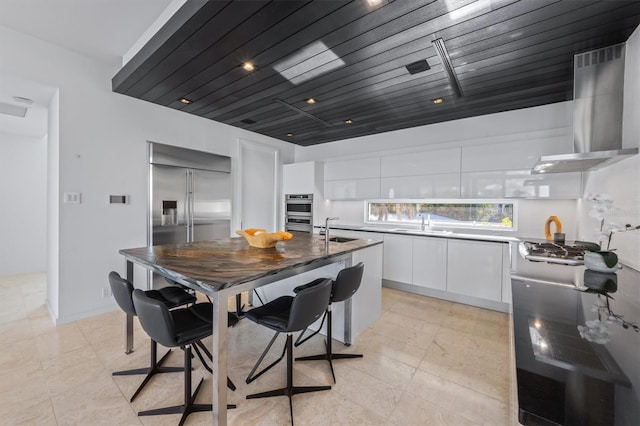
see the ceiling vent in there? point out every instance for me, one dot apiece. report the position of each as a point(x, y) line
point(17, 111)
point(248, 121)
point(418, 66)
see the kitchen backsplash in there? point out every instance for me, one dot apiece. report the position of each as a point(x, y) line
point(531, 218)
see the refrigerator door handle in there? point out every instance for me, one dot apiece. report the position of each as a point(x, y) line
point(191, 207)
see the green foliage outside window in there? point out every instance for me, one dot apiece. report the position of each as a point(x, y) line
point(495, 214)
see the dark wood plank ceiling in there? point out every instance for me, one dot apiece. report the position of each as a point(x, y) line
point(351, 57)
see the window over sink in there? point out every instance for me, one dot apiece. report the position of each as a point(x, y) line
point(471, 214)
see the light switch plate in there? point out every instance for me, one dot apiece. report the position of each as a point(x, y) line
point(71, 198)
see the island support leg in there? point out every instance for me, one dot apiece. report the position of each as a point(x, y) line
point(128, 339)
point(348, 306)
point(347, 321)
point(219, 365)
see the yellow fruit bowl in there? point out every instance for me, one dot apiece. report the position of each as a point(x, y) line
point(260, 238)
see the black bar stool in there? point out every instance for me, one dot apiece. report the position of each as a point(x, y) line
point(171, 297)
point(177, 328)
point(345, 285)
point(288, 314)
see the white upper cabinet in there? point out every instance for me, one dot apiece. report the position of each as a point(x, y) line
point(352, 179)
point(421, 163)
point(512, 155)
point(303, 178)
point(498, 170)
point(363, 168)
point(446, 185)
point(352, 189)
point(521, 184)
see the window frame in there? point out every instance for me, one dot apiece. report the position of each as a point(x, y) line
point(445, 225)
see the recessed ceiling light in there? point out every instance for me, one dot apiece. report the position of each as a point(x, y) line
point(248, 66)
point(290, 134)
point(185, 101)
point(374, 2)
point(437, 101)
point(311, 101)
point(348, 121)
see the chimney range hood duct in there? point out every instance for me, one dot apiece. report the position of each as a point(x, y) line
point(598, 83)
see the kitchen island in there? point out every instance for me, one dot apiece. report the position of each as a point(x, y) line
point(226, 267)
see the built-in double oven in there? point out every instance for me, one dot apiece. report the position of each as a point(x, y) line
point(299, 212)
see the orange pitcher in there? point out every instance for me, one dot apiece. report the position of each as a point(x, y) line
point(547, 226)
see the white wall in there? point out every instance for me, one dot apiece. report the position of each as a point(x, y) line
point(23, 218)
point(622, 180)
point(101, 149)
point(544, 122)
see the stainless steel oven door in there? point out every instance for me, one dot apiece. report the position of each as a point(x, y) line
point(298, 223)
point(300, 209)
point(299, 204)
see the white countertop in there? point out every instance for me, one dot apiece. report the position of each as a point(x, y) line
point(439, 233)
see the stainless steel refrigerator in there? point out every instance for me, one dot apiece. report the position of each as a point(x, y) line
point(190, 196)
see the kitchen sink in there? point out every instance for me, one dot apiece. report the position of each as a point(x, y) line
point(341, 239)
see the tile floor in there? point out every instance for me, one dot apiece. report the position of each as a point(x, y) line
point(427, 362)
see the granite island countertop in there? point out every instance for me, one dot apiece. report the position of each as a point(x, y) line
point(219, 264)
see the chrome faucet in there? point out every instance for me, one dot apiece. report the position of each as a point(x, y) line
point(422, 225)
point(326, 229)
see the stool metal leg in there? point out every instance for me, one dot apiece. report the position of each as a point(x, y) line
point(251, 377)
point(154, 368)
point(290, 390)
point(328, 356)
point(188, 407)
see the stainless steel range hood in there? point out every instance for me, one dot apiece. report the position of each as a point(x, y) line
point(598, 86)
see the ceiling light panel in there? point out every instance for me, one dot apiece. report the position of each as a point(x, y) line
point(310, 62)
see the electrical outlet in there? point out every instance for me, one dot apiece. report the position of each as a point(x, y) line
point(106, 292)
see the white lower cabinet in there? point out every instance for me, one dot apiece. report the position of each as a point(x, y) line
point(398, 258)
point(474, 268)
point(430, 262)
point(453, 267)
point(420, 261)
